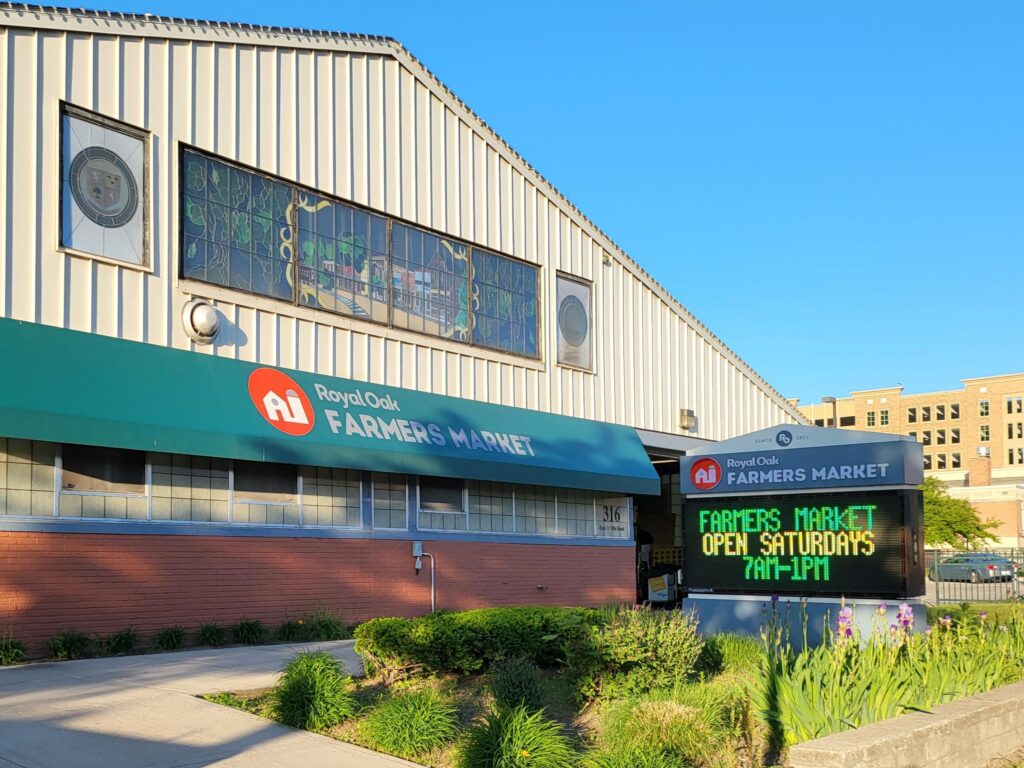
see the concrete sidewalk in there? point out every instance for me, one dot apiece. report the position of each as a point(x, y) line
point(142, 712)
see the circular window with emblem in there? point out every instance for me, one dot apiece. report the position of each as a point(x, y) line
point(572, 321)
point(103, 187)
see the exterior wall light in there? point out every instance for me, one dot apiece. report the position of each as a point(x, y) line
point(687, 419)
point(201, 321)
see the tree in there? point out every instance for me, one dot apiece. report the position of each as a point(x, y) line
point(950, 521)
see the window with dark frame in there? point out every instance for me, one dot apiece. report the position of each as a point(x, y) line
point(90, 469)
point(257, 481)
point(983, 408)
point(955, 461)
point(442, 494)
point(940, 413)
point(926, 413)
point(442, 504)
point(911, 415)
point(249, 231)
point(954, 410)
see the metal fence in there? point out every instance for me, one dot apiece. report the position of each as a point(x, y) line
point(958, 576)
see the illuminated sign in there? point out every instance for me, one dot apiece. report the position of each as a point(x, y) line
point(812, 543)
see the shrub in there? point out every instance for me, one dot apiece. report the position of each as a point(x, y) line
point(324, 626)
point(69, 644)
point(11, 651)
point(517, 681)
point(169, 638)
point(122, 641)
point(292, 630)
point(313, 693)
point(470, 641)
point(516, 738)
point(658, 721)
point(647, 649)
point(633, 757)
point(731, 653)
point(212, 635)
point(247, 631)
point(411, 724)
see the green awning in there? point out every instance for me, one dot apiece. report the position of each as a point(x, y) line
point(71, 387)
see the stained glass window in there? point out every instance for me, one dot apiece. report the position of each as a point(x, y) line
point(429, 283)
point(342, 254)
point(504, 304)
point(236, 228)
point(244, 230)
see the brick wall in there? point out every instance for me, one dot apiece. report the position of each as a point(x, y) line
point(99, 583)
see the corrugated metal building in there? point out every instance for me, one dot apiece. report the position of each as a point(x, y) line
point(238, 200)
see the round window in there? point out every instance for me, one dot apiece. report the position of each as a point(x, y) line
point(103, 187)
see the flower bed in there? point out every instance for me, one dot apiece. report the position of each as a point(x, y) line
point(633, 687)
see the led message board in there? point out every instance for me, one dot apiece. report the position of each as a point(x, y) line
point(809, 543)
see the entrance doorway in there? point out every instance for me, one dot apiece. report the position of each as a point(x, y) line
point(658, 522)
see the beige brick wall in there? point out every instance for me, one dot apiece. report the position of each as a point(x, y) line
point(994, 389)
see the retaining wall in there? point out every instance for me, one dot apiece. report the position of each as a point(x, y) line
point(962, 734)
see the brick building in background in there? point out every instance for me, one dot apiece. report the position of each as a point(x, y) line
point(973, 439)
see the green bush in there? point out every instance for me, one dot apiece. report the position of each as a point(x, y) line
point(658, 721)
point(645, 650)
point(247, 632)
point(633, 757)
point(731, 653)
point(292, 630)
point(169, 638)
point(313, 693)
point(518, 681)
point(11, 651)
point(122, 641)
point(411, 724)
point(212, 635)
point(69, 644)
point(516, 738)
point(470, 641)
point(324, 626)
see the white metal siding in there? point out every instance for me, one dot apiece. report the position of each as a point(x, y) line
point(362, 120)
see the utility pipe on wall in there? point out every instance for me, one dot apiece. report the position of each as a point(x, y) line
point(432, 569)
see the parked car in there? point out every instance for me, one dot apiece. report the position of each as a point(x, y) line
point(974, 567)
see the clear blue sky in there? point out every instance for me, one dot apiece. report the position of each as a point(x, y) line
point(836, 189)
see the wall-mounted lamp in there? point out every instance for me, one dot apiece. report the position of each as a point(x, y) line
point(687, 419)
point(201, 321)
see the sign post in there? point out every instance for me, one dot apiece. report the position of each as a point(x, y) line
point(794, 514)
